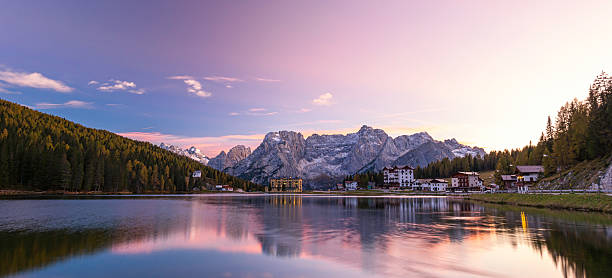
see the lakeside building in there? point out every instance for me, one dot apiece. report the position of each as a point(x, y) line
point(197, 174)
point(466, 181)
point(224, 187)
point(285, 185)
point(340, 186)
point(437, 185)
point(402, 176)
point(350, 185)
point(508, 181)
point(527, 175)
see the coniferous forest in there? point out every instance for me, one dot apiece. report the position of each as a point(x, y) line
point(43, 152)
point(582, 131)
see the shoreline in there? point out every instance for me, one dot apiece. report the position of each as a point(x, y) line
point(577, 202)
point(589, 202)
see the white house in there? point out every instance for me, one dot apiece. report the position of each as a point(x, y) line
point(402, 176)
point(197, 174)
point(529, 174)
point(438, 185)
point(350, 185)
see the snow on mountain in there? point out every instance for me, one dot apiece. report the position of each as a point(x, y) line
point(192, 152)
point(326, 158)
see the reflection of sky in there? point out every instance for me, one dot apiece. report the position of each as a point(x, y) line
point(289, 236)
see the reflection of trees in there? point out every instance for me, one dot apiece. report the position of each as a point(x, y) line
point(353, 230)
point(22, 251)
point(580, 250)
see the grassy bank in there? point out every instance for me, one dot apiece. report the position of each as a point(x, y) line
point(586, 202)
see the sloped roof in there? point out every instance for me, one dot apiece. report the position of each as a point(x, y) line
point(421, 181)
point(508, 177)
point(467, 173)
point(439, 181)
point(530, 169)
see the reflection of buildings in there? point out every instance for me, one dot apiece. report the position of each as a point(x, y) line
point(377, 234)
point(283, 231)
point(285, 185)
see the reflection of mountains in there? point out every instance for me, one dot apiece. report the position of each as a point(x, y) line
point(359, 231)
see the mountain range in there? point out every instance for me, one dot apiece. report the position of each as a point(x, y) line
point(326, 159)
point(192, 152)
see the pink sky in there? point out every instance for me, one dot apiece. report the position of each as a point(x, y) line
point(213, 75)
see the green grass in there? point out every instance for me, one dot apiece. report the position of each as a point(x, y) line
point(488, 177)
point(586, 202)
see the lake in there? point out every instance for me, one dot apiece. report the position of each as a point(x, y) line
point(233, 235)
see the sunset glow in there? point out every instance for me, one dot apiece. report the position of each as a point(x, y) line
point(210, 74)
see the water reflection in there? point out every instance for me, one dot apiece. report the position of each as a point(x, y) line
point(291, 235)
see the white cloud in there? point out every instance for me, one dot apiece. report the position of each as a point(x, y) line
point(137, 91)
point(323, 100)
point(222, 79)
point(266, 79)
point(116, 85)
point(255, 112)
point(180, 77)
point(229, 86)
point(69, 104)
point(33, 80)
point(194, 86)
point(304, 110)
point(260, 112)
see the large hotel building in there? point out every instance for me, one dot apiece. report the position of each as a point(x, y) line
point(285, 185)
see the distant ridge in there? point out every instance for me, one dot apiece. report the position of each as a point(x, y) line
point(325, 159)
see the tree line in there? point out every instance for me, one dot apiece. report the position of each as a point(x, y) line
point(44, 152)
point(582, 131)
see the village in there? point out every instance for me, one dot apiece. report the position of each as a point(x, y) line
point(401, 178)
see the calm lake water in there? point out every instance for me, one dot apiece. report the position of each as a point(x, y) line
point(297, 236)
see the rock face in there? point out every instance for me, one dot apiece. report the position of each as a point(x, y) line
point(606, 180)
point(233, 156)
point(323, 159)
point(278, 155)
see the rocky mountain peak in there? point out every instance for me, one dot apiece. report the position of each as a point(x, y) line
point(422, 134)
point(365, 128)
point(231, 158)
point(322, 159)
point(238, 153)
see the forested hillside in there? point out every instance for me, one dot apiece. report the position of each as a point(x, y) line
point(582, 132)
point(43, 152)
